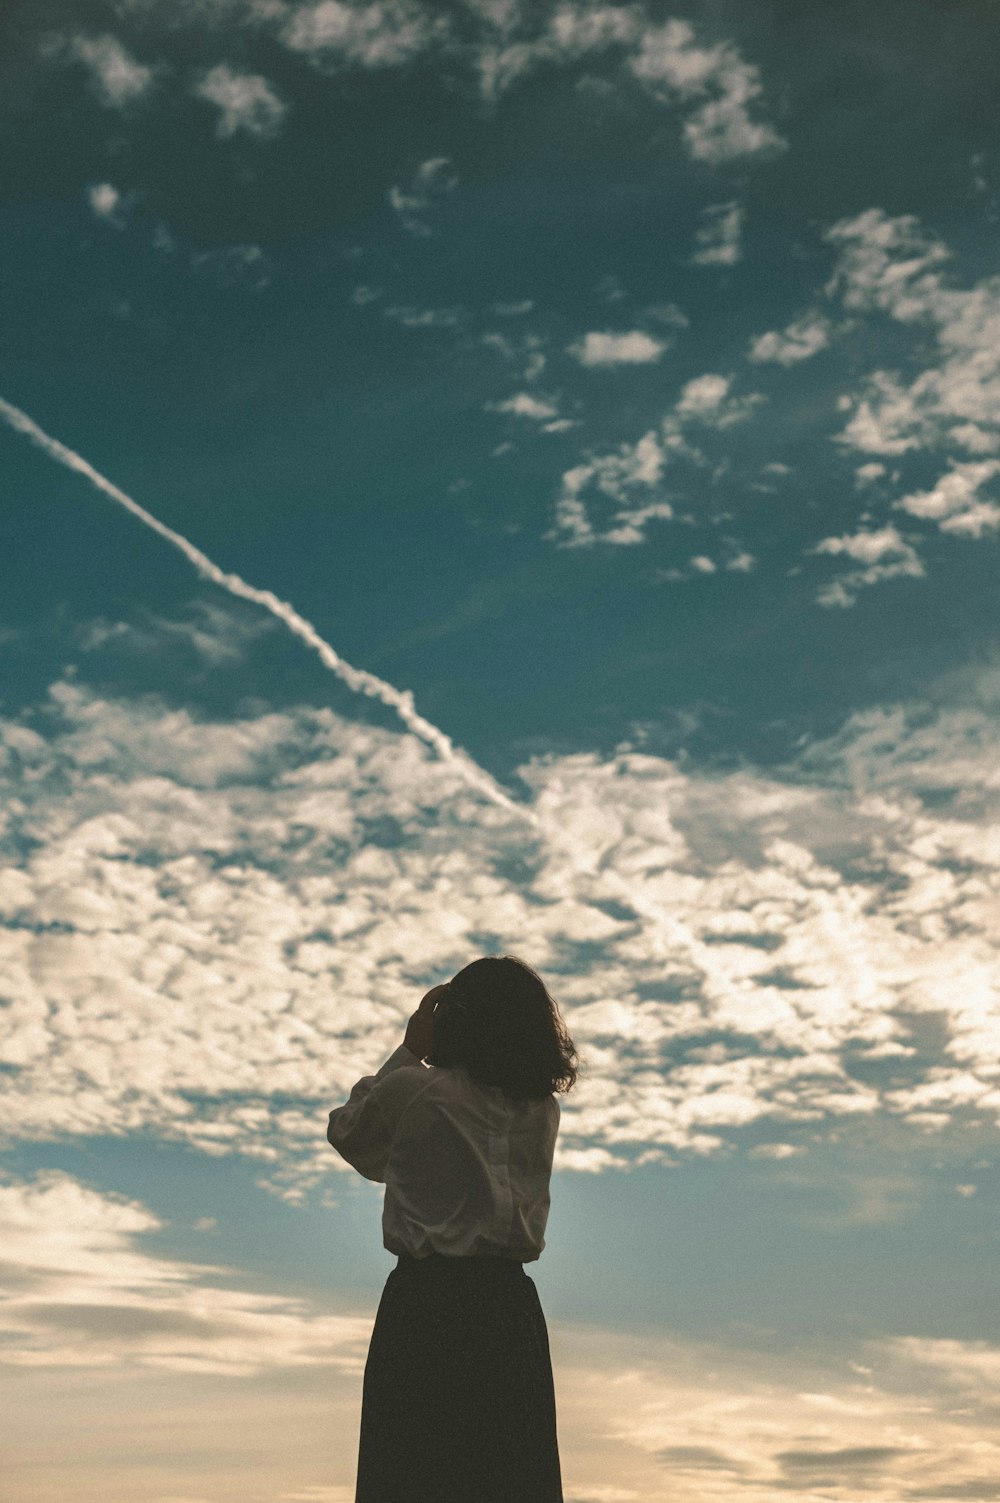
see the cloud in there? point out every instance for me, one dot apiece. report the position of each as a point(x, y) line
point(954, 501)
point(191, 894)
point(672, 66)
point(719, 238)
point(885, 554)
point(358, 680)
point(207, 636)
point(523, 350)
point(706, 399)
point(623, 475)
point(891, 266)
point(246, 102)
point(430, 181)
point(235, 265)
point(668, 313)
point(802, 339)
point(84, 1293)
point(176, 1349)
point(740, 1416)
point(117, 77)
point(615, 476)
point(105, 201)
point(385, 34)
point(523, 404)
point(503, 42)
point(867, 474)
point(632, 348)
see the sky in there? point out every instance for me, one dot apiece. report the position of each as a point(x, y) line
point(495, 477)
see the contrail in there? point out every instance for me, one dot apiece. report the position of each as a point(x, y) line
point(362, 682)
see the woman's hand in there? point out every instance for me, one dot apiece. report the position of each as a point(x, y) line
point(420, 1029)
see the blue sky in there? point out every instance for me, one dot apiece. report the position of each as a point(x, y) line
point(612, 392)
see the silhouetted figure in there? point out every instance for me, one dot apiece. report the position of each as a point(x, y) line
point(459, 1403)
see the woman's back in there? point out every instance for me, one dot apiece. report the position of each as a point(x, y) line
point(469, 1170)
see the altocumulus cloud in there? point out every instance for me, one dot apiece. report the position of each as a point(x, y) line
point(716, 92)
point(210, 929)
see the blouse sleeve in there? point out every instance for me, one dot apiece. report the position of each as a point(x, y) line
point(362, 1130)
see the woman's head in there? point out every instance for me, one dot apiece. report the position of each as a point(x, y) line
point(497, 1020)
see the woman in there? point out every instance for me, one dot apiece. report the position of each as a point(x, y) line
point(459, 1403)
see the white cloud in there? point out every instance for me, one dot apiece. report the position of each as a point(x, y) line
point(706, 399)
point(105, 201)
point(800, 340)
point(668, 313)
point(886, 264)
point(867, 547)
point(587, 487)
point(719, 237)
point(430, 181)
point(117, 76)
point(192, 894)
point(632, 348)
point(891, 266)
point(175, 1350)
point(885, 555)
point(523, 404)
point(954, 502)
point(503, 42)
point(246, 101)
point(672, 66)
point(704, 394)
point(88, 1295)
point(209, 636)
point(615, 476)
point(385, 34)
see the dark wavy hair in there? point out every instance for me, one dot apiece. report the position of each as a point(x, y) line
point(497, 1021)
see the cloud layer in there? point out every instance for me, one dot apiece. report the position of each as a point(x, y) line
point(211, 930)
point(889, 1417)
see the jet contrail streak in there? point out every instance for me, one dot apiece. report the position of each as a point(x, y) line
point(401, 700)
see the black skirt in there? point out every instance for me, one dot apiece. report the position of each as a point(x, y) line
point(458, 1403)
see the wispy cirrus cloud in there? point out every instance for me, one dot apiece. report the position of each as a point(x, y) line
point(430, 181)
point(901, 1415)
point(86, 1294)
point(719, 237)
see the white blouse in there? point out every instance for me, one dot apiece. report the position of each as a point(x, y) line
point(465, 1169)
